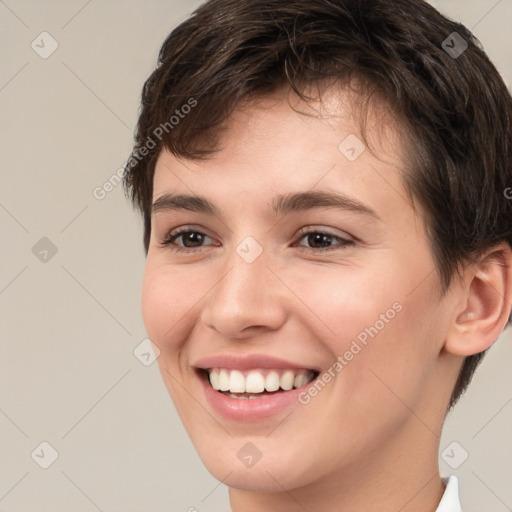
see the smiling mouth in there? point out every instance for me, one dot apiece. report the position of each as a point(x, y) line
point(257, 383)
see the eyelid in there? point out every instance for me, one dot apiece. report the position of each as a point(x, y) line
point(320, 229)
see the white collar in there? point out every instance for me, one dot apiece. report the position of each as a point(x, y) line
point(450, 500)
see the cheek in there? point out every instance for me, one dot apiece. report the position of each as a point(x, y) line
point(401, 343)
point(343, 302)
point(164, 304)
point(376, 323)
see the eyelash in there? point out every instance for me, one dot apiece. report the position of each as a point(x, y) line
point(171, 237)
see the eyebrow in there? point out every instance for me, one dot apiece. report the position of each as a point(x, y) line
point(281, 204)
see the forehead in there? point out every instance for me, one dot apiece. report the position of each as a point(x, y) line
point(277, 142)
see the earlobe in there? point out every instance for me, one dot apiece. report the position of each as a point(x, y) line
point(486, 298)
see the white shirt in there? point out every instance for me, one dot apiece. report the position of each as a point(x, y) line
point(450, 500)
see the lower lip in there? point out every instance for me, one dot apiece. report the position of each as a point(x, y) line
point(245, 409)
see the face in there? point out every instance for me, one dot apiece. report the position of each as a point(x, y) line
point(294, 301)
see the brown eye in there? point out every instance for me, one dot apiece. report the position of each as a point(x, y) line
point(323, 240)
point(189, 239)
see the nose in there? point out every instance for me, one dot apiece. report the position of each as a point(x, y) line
point(249, 299)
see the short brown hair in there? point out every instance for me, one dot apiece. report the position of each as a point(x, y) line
point(456, 107)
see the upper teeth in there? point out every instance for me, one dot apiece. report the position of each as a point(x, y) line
point(257, 381)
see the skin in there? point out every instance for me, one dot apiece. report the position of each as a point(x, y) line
point(369, 440)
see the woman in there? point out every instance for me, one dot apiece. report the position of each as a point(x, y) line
point(328, 244)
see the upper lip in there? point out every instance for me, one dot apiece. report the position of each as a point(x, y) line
point(237, 362)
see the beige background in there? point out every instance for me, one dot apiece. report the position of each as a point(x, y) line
point(68, 375)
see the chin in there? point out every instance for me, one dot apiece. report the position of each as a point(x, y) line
point(269, 474)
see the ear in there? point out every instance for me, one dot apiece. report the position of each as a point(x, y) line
point(485, 303)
